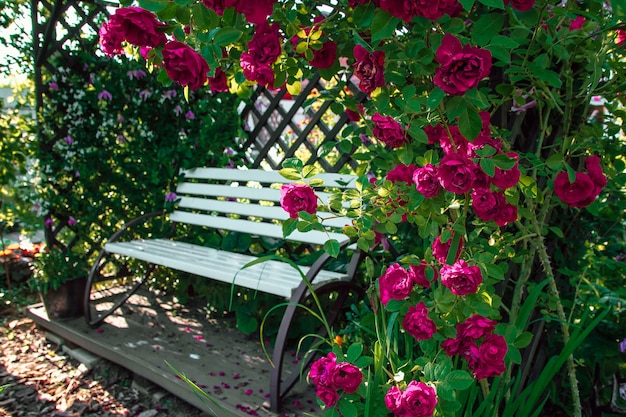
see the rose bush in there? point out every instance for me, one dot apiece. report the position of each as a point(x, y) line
point(471, 142)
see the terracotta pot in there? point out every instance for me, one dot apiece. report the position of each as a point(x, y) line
point(66, 303)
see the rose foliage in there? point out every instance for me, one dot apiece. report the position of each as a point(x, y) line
point(483, 163)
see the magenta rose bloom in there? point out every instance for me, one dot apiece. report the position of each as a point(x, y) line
point(487, 203)
point(388, 130)
point(219, 83)
point(369, 68)
point(506, 214)
point(475, 327)
point(579, 193)
point(418, 400)
point(441, 249)
point(508, 178)
point(481, 180)
point(461, 67)
point(324, 57)
point(265, 46)
point(261, 74)
point(137, 26)
point(328, 395)
point(110, 40)
point(594, 169)
point(461, 278)
point(184, 65)
point(256, 11)
point(401, 173)
point(460, 146)
point(393, 400)
point(427, 181)
point(345, 376)
point(430, 9)
point(456, 173)
point(418, 324)
point(396, 283)
point(487, 360)
point(434, 133)
point(218, 6)
point(295, 198)
point(419, 274)
point(320, 371)
point(521, 5)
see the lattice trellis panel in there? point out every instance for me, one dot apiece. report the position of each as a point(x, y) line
point(282, 127)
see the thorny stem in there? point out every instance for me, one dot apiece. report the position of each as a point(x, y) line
point(544, 258)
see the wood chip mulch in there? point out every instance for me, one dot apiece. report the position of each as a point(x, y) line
point(39, 379)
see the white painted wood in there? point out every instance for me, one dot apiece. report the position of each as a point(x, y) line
point(274, 277)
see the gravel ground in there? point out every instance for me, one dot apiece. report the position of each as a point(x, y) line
point(40, 380)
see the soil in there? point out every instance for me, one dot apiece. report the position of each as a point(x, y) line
point(40, 380)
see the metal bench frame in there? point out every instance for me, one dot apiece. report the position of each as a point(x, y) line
point(240, 201)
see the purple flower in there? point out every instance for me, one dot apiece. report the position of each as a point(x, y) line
point(69, 140)
point(622, 346)
point(171, 196)
point(71, 221)
point(105, 95)
point(178, 110)
point(136, 74)
point(49, 223)
point(53, 86)
point(169, 94)
point(145, 94)
point(189, 115)
point(229, 151)
point(121, 139)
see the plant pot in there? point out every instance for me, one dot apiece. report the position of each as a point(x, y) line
point(66, 302)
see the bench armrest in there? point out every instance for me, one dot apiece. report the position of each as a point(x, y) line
point(133, 222)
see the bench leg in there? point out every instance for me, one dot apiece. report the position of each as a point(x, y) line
point(279, 387)
point(118, 296)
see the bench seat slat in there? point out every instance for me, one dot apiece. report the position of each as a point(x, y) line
point(243, 209)
point(256, 228)
point(272, 277)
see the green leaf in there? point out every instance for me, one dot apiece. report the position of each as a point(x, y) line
point(332, 247)
point(154, 5)
point(488, 166)
point(294, 163)
point(467, 4)
point(558, 232)
point(495, 271)
point(226, 36)
point(434, 98)
point(498, 4)
point(514, 355)
point(383, 26)
point(290, 174)
point(347, 408)
point(363, 15)
point(203, 17)
point(470, 124)
point(460, 379)
point(289, 226)
point(246, 323)
point(487, 27)
point(502, 161)
point(418, 134)
point(523, 340)
point(354, 352)
point(555, 162)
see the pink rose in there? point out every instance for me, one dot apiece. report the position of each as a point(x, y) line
point(396, 283)
point(401, 173)
point(521, 5)
point(369, 68)
point(441, 249)
point(427, 181)
point(218, 6)
point(136, 26)
point(487, 360)
point(579, 193)
point(507, 178)
point(393, 400)
point(256, 11)
point(621, 37)
point(261, 74)
point(594, 169)
point(111, 40)
point(418, 324)
point(487, 203)
point(320, 371)
point(295, 198)
point(388, 130)
point(461, 67)
point(476, 327)
point(454, 141)
point(418, 400)
point(184, 65)
point(506, 214)
point(345, 376)
point(328, 395)
point(577, 24)
point(481, 180)
point(324, 57)
point(456, 173)
point(431, 9)
point(265, 46)
point(219, 83)
point(461, 278)
point(419, 274)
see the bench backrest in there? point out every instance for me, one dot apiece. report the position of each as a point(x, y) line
point(248, 201)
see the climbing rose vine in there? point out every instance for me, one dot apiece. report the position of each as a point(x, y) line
point(476, 144)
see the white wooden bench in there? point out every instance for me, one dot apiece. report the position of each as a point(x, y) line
point(231, 200)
